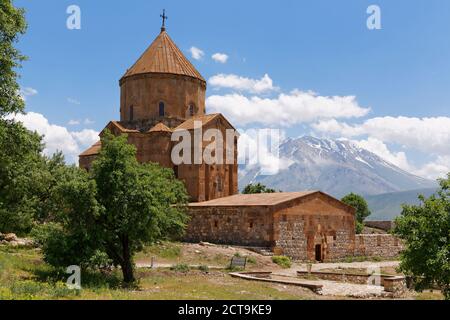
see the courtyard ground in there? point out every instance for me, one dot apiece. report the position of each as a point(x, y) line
point(23, 275)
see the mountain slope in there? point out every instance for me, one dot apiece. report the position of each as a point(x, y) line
point(336, 167)
point(387, 206)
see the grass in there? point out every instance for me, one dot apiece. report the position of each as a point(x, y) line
point(282, 261)
point(24, 276)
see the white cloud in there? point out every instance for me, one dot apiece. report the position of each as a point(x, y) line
point(73, 101)
point(286, 109)
point(380, 149)
point(73, 122)
point(430, 135)
point(88, 121)
point(27, 92)
point(220, 57)
point(196, 53)
point(57, 137)
point(238, 83)
point(435, 169)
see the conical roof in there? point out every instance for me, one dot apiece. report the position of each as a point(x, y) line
point(163, 56)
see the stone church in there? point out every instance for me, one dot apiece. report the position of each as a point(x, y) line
point(163, 93)
point(160, 94)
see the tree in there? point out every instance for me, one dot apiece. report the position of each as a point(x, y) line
point(21, 169)
point(362, 209)
point(115, 210)
point(21, 163)
point(257, 188)
point(12, 25)
point(425, 229)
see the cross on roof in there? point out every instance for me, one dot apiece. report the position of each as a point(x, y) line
point(164, 18)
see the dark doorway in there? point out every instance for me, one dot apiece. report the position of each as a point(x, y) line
point(318, 252)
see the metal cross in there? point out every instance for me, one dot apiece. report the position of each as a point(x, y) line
point(164, 18)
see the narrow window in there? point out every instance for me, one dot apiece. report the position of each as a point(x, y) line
point(251, 224)
point(219, 184)
point(161, 109)
point(131, 113)
point(191, 110)
point(216, 224)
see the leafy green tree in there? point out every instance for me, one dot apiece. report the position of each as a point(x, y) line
point(113, 211)
point(21, 163)
point(21, 166)
point(257, 188)
point(12, 25)
point(425, 228)
point(362, 209)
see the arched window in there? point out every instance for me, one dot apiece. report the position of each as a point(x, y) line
point(191, 110)
point(161, 109)
point(131, 113)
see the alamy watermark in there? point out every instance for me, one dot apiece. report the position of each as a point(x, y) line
point(257, 147)
point(73, 21)
point(374, 19)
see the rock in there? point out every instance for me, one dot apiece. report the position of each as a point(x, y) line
point(10, 237)
point(207, 244)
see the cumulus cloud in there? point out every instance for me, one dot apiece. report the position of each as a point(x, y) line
point(220, 57)
point(431, 135)
point(58, 138)
point(73, 122)
point(238, 83)
point(196, 53)
point(27, 92)
point(435, 169)
point(381, 149)
point(286, 109)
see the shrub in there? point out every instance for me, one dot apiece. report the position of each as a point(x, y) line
point(282, 261)
point(203, 268)
point(180, 267)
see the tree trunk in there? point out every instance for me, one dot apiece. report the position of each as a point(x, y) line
point(127, 265)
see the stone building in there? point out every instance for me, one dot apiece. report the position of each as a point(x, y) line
point(303, 225)
point(163, 93)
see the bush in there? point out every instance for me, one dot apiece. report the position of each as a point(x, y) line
point(282, 261)
point(181, 267)
point(203, 268)
point(251, 260)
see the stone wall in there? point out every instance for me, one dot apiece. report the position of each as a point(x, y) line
point(378, 245)
point(144, 92)
point(314, 221)
point(244, 226)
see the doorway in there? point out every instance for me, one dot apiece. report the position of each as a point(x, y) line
point(319, 253)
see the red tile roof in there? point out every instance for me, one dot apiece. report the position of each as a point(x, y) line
point(93, 150)
point(163, 56)
point(160, 127)
point(260, 199)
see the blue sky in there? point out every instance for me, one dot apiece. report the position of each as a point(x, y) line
point(401, 71)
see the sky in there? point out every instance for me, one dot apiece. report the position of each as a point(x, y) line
point(305, 67)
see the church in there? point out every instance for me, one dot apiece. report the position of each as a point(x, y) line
point(160, 94)
point(163, 93)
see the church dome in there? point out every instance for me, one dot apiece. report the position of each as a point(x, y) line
point(163, 56)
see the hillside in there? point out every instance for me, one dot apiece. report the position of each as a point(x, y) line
point(389, 205)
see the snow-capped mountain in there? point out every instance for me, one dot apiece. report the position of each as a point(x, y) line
point(336, 167)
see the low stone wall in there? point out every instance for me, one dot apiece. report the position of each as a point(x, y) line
point(393, 284)
point(382, 225)
point(378, 245)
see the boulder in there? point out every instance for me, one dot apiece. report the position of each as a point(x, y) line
point(10, 237)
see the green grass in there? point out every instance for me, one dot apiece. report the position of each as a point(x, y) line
point(165, 250)
point(24, 276)
point(282, 261)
